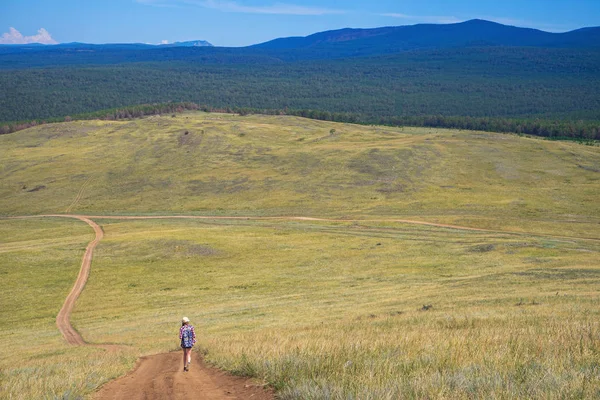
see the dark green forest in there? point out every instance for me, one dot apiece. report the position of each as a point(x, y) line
point(555, 87)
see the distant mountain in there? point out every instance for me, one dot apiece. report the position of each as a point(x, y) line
point(474, 33)
point(192, 43)
point(329, 45)
point(36, 47)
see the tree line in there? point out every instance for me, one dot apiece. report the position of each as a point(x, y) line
point(499, 83)
point(553, 129)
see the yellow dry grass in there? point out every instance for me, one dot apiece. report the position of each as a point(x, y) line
point(36, 276)
point(273, 165)
point(317, 309)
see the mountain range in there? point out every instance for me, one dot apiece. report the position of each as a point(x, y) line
point(424, 36)
point(36, 47)
point(395, 39)
point(349, 42)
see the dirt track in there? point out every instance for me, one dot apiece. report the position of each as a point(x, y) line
point(162, 377)
point(63, 318)
point(298, 218)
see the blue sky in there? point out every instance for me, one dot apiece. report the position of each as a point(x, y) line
point(245, 22)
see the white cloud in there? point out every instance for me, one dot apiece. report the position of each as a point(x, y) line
point(13, 36)
point(164, 42)
point(236, 7)
point(433, 19)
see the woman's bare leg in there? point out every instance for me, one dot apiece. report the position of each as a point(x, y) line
point(187, 357)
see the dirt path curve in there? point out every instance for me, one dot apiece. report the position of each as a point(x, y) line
point(63, 318)
point(316, 219)
point(162, 377)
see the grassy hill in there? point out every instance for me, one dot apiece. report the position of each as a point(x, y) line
point(317, 309)
point(218, 164)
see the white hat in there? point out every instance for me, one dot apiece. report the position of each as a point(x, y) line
point(185, 320)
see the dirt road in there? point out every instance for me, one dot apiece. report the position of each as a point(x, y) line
point(63, 318)
point(316, 219)
point(162, 377)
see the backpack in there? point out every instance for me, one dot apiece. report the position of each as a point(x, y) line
point(186, 336)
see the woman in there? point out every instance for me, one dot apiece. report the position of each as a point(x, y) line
point(188, 338)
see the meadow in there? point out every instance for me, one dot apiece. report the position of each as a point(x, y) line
point(218, 164)
point(317, 309)
point(39, 261)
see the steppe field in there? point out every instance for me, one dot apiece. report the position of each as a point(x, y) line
point(328, 261)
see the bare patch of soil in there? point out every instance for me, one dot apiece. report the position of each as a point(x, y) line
point(162, 377)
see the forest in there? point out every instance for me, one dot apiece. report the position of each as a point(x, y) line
point(542, 91)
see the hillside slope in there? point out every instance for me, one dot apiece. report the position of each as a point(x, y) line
point(230, 165)
point(363, 42)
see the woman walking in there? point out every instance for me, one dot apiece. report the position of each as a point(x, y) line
point(188, 338)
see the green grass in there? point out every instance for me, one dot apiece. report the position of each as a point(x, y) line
point(316, 309)
point(260, 165)
point(39, 261)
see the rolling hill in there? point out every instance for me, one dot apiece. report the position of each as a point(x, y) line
point(258, 165)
